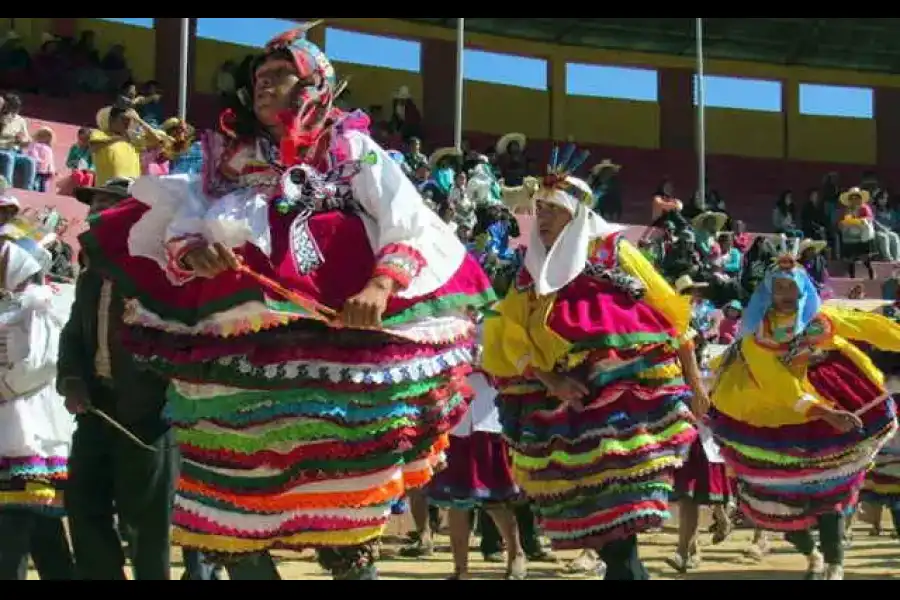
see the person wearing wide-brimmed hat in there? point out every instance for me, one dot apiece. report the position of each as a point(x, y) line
point(115, 146)
point(706, 226)
point(604, 181)
point(99, 198)
point(182, 150)
point(810, 253)
point(857, 229)
point(511, 160)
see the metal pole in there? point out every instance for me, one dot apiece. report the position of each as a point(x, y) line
point(701, 115)
point(460, 84)
point(183, 68)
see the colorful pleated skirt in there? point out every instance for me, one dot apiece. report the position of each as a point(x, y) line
point(703, 482)
point(789, 476)
point(882, 485)
point(478, 472)
point(33, 484)
point(602, 473)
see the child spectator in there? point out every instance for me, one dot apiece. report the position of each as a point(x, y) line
point(80, 160)
point(41, 151)
point(730, 324)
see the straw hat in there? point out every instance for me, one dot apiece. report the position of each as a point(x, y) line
point(173, 122)
point(855, 191)
point(816, 245)
point(440, 154)
point(603, 165)
point(721, 219)
point(686, 283)
point(402, 93)
point(504, 142)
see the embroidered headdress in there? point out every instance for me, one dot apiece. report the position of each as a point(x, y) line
point(786, 265)
point(553, 268)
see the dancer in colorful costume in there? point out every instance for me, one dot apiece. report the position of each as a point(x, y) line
point(35, 429)
point(801, 412)
point(311, 314)
point(595, 370)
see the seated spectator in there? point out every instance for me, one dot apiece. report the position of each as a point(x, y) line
point(683, 259)
point(89, 77)
point(149, 104)
point(606, 185)
point(511, 158)
point(666, 207)
point(731, 258)
point(703, 313)
point(80, 161)
point(857, 229)
point(115, 147)
point(742, 239)
point(730, 324)
point(784, 216)
point(53, 68)
point(14, 139)
point(414, 156)
point(816, 265)
point(813, 218)
point(757, 260)
point(15, 63)
point(41, 151)
point(226, 79)
point(707, 226)
point(115, 66)
point(886, 239)
point(183, 150)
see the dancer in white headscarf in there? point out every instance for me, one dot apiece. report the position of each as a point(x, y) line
point(35, 429)
point(591, 352)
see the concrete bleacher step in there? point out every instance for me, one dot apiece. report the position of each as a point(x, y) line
point(883, 270)
point(842, 286)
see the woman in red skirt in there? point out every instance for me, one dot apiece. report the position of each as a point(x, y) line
point(478, 473)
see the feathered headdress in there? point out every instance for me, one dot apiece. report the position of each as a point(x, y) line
point(560, 173)
point(787, 257)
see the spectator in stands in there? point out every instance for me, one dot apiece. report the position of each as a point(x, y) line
point(813, 260)
point(730, 324)
point(857, 229)
point(757, 261)
point(414, 156)
point(226, 79)
point(463, 206)
point(150, 106)
point(604, 181)
point(683, 258)
point(712, 202)
point(511, 158)
point(666, 208)
point(41, 151)
point(731, 259)
point(742, 239)
point(80, 160)
point(115, 66)
point(14, 139)
point(53, 68)
point(784, 215)
point(115, 147)
point(886, 239)
point(406, 121)
point(15, 63)
point(707, 226)
point(830, 196)
point(183, 150)
point(89, 77)
point(813, 219)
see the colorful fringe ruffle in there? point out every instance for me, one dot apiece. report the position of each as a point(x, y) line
point(788, 476)
point(603, 473)
point(882, 485)
point(33, 484)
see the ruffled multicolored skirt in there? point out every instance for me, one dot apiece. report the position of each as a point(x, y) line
point(34, 484)
point(703, 482)
point(294, 434)
point(789, 476)
point(606, 472)
point(882, 485)
point(478, 472)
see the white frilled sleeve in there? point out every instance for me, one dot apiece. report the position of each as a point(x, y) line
point(412, 244)
point(32, 343)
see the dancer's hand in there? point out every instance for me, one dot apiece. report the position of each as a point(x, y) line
point(210, 261)
point(700, 403)
point(569, 391)
point(75, 404)
point(364, 310)
point(842, 420)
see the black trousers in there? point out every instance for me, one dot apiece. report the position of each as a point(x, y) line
point(623, 563)
point(23, 532)
point(109, 474)
point(831, 539)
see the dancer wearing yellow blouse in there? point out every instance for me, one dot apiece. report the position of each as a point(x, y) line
point(595, 372)
point(801, 411)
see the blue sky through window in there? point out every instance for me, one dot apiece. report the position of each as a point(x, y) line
point(582, 80)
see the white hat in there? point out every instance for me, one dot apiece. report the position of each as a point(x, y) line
point(505, 141)
point(686, 283)
point(9, 200)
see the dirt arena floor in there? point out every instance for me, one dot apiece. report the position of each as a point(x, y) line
point(875, 558)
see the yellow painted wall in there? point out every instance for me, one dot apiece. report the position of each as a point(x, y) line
point(499, 109)
point(612, 122)
point(833, 139)
point(744, 133)
point(139, 42)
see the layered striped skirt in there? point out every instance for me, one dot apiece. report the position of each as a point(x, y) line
point(789, 476)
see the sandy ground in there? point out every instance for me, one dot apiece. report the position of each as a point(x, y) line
point(869, 558)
